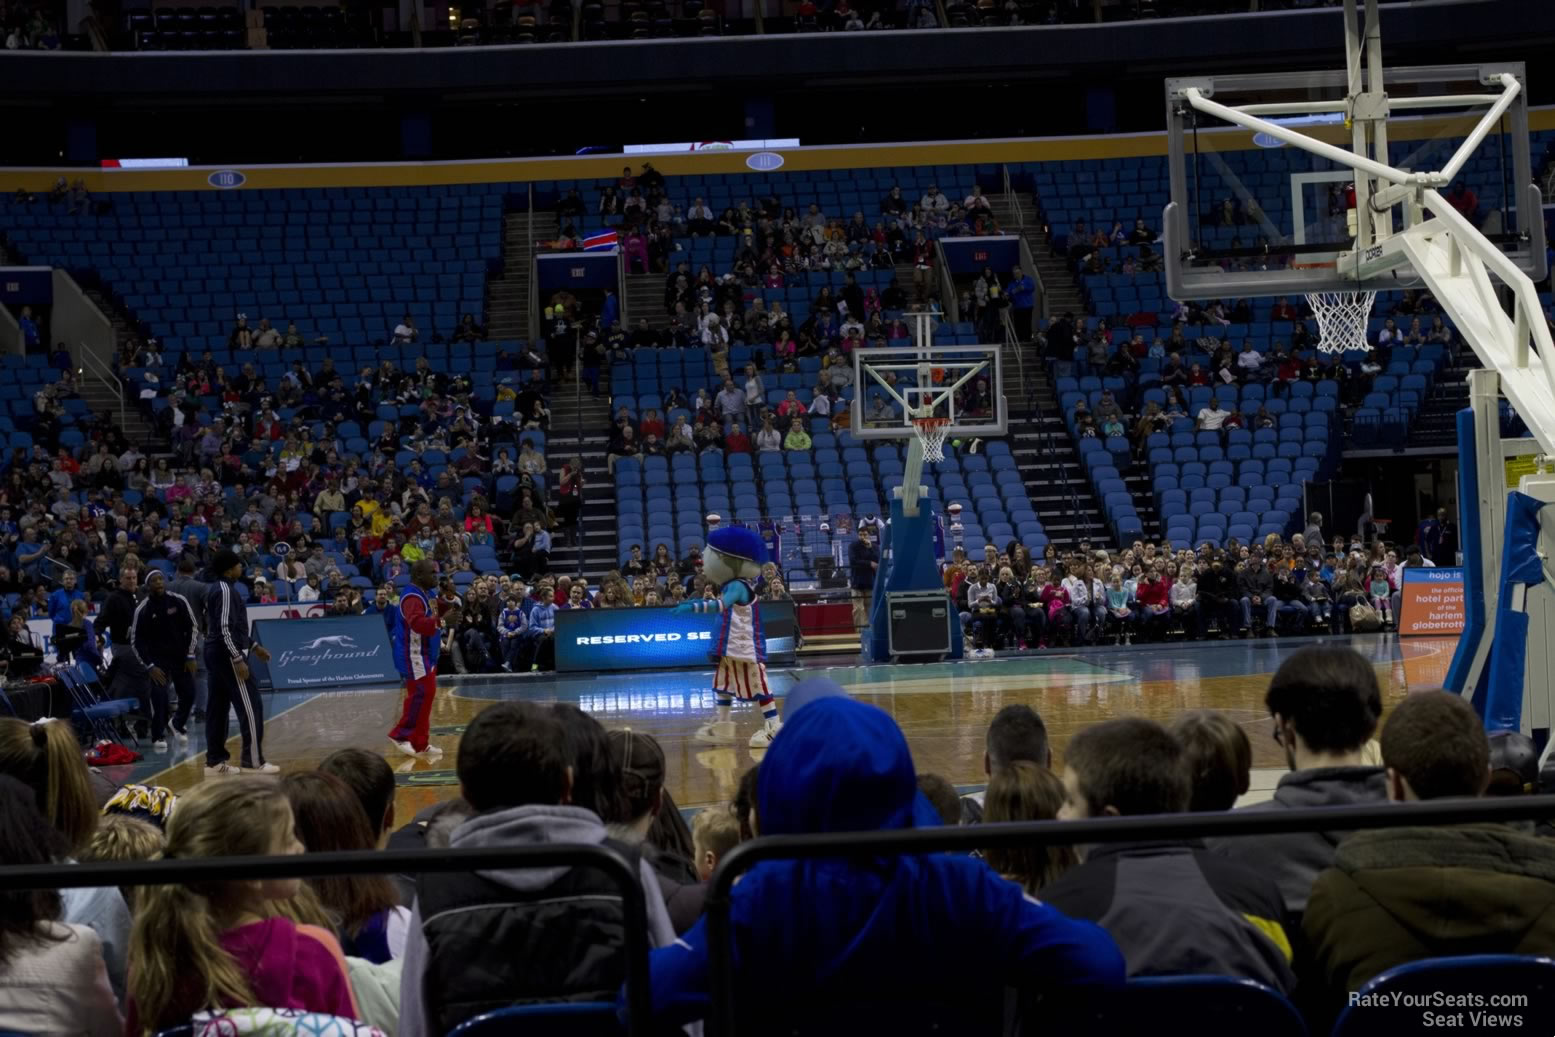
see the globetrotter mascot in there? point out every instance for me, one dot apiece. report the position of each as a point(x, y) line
point(732, 559)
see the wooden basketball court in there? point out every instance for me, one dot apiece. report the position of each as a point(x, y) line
point(943, 708)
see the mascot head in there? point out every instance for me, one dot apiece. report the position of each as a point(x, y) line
point(733, 552)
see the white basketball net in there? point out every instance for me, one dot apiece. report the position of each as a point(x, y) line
point(931, 433)
point(1341, 319)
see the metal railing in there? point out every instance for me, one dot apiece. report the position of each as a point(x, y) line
point(1028, 261)
point(91, 366)
point(724, 1012)
point(1012, 199)
point(950, 299)
point(184, 871)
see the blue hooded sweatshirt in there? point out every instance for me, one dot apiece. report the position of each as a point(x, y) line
point(838, 931)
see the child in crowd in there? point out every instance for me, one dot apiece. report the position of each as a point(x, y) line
point(714, 833)
point(1315, 591)
point(120, 837)
point(1219, 758)
point(52, 976)
point(1120, 616)
point(224, 944)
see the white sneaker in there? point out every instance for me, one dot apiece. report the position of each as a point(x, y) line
point(718, 732)
point(182, 736)
point(159, 746)
point(432, 750)
point(406, 748)
point(764, 735)
point(264, 768)
point(223, 770)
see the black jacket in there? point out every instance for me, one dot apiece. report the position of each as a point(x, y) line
point(117, 613)
point(1216, 588)
point(861, 570)
point(1177, 909)
point(164, 632)
point(1255, 583)
point(557, 940)
point(226, 622)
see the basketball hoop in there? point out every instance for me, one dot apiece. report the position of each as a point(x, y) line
point(931, 433)
point(1341, 319)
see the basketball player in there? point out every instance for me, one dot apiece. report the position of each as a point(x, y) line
point(416, 633)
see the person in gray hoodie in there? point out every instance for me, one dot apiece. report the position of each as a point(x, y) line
point(540, 934)
point(1325, 702)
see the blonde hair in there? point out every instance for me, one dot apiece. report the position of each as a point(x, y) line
point(714, 830)
point(1024, 791)
point(179, 966)
point(120, 837)
point(45, 757)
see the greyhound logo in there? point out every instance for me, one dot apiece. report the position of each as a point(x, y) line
point(341, 641)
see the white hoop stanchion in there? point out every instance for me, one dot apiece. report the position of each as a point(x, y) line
point(931, 433)
point(1341, 319)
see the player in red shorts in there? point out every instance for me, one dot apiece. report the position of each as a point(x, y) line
point(417, 636)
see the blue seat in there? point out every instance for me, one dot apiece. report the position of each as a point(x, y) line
point(1482, 975)
point(565, 1019)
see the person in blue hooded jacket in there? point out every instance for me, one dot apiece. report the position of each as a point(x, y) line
point(844, 932)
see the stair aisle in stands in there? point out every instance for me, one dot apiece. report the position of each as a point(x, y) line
point(645, 298)
point(508, 295)
point(1051, 468)
point(591, 549)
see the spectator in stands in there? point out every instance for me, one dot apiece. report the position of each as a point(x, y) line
point(1218, 597)
point(1152, 606)
point(714, 832)
point(1325, 703)
point(699, 219)
point(1255, 584)
point(768, 438)
point(1219, 758)
point(730, 402)
point(844, 766)
point(1025, 791)
point(1212, 416)
point(1384, 902)
point(371, 780)
point(798, 438)
point(406, 332)
point(1174, 908)
point(569, 489)
point(1087, 603)
point(52, 973)
point(227, 944)
point(516, 770)
point(1021, 293)
point(1463, 198)
point(1016, 733)
point(1121, 617)
point(330, 818)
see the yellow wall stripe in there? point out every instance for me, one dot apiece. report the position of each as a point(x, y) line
point(804, 159)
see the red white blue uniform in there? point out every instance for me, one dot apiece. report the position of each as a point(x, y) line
point(740, 649)
point(417, 638)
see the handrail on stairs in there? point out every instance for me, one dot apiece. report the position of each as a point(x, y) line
point(91, 365)
point(1032, 409)
point(1012, 198)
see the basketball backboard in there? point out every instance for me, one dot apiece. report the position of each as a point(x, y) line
point(961, 384)
point(1252, 215)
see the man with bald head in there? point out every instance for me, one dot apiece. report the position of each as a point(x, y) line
point(416, 633)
